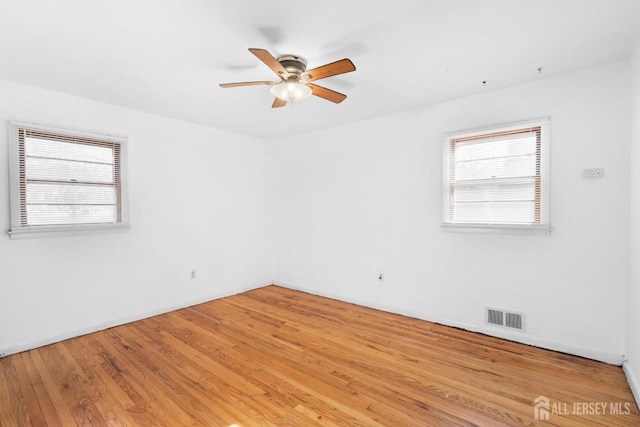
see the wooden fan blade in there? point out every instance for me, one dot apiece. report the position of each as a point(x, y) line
point(328, 70)
point(270, 62)
point(328, 94)
point(247, 84)
point(277, 103)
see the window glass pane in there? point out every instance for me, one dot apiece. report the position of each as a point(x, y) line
point(67, 170)
point(495, 213)
point(496, 167)
point(68, 194)
point(70, 214)
point(496, 147)
point(51, 148)
point(520, 191)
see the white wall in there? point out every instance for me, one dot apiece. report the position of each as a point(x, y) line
point(366, 198)
point(200, 199)
point(632, 367)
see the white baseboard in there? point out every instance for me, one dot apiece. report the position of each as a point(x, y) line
point(589, 353)
point(29, 345)
point(634, 385)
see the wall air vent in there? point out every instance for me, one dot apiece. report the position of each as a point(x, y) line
point(495, 317)
point(505, 319)
point(513, 320)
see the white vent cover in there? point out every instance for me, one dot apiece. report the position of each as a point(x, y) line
point(506, 319)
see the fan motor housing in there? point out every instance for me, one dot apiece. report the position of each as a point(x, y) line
point(294, 64)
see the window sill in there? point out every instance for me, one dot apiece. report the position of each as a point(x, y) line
point(505, 229)
point(35, 232)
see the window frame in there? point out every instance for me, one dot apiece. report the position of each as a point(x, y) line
point(542, 223)
point(19, 228)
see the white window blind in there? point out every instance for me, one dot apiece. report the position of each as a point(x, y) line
point(64, 180)
point(498, 177)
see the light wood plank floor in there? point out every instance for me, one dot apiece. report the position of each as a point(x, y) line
point(274, 356)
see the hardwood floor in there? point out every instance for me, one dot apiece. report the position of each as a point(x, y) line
point(274, 356)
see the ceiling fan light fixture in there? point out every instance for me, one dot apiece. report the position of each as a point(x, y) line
point(291, 91)
point(295, 80)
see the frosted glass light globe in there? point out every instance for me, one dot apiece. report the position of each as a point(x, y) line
point(291, 91)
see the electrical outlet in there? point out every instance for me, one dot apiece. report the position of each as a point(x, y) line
point(592, 173)
point(193, 274)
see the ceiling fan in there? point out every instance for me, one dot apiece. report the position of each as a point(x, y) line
point(295, 80)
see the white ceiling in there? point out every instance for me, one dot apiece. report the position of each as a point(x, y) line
point(167, 57)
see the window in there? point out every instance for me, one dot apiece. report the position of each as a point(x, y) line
point(498, 177)
point(63, 180)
